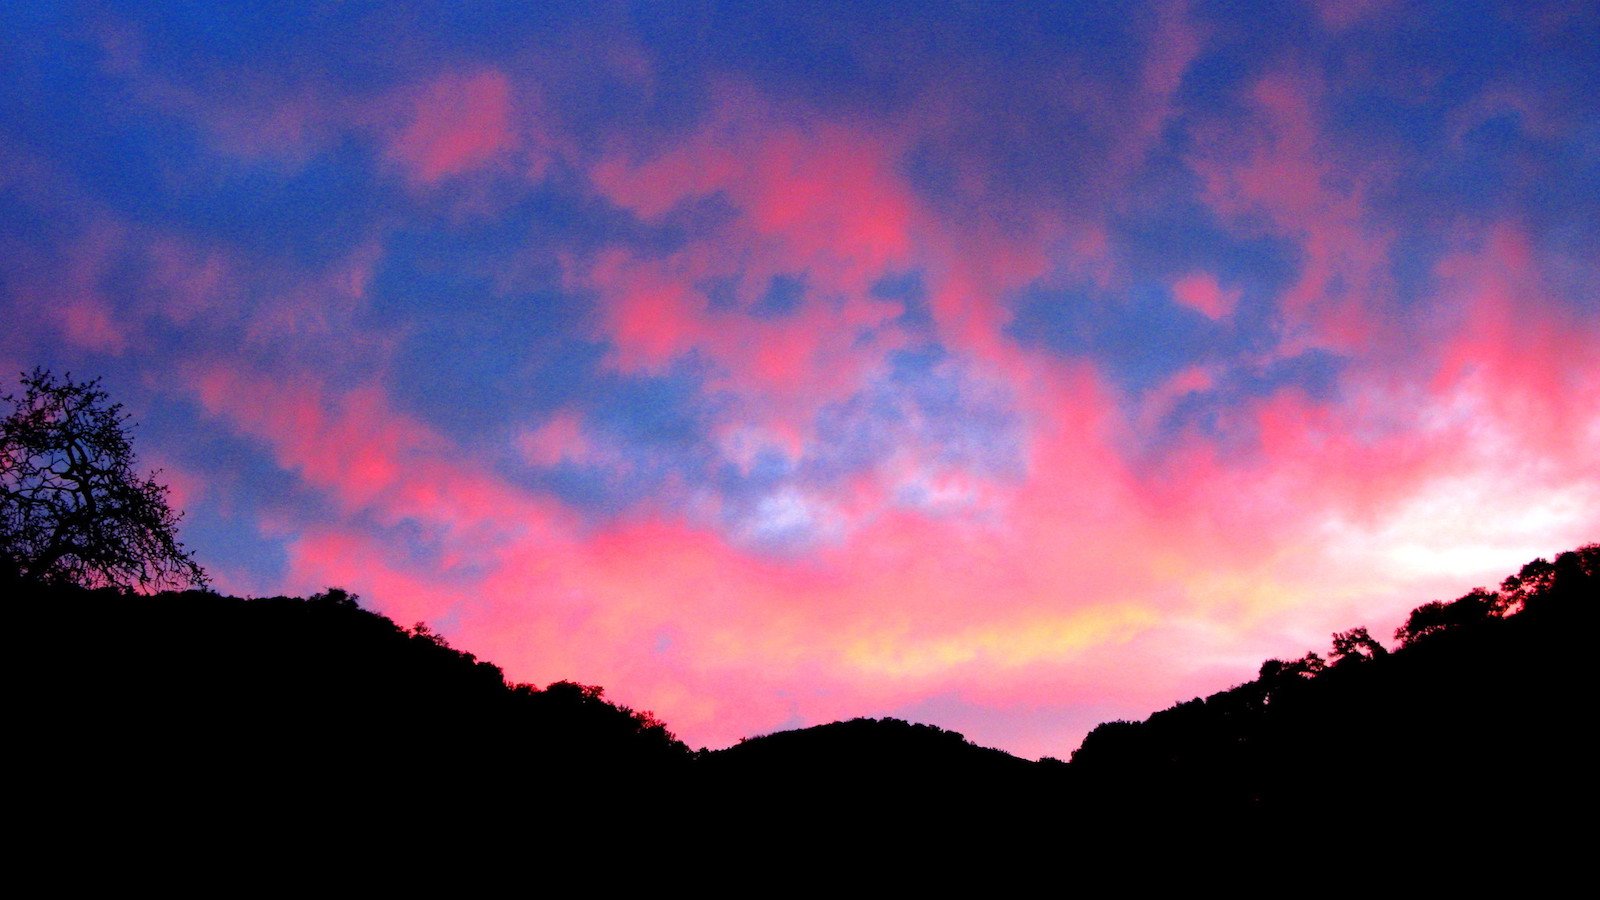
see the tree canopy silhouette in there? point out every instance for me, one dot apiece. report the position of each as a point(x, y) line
point(72, 507)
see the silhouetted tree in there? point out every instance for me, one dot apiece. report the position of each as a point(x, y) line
point(1474, 607)
point(1356, 645)
point(72, 507)
point(1307, 666)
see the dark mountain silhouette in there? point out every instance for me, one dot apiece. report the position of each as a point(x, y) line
point(229, 708)
point(281, 709)
point(879, 750)
point(889, 759)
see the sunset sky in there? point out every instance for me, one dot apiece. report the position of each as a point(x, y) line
point(1008, 367)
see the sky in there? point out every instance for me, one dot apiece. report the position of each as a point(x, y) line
point(1008, 367)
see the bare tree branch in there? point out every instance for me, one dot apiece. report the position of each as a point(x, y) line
point(72, 507)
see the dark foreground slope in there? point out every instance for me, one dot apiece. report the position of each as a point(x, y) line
point(221, 707)
point(1480, 719)
point(871, 773)
point(316, 713)
point(1478, 722)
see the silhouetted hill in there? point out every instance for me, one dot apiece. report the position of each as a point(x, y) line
point(214, 703)
point(885, 754)
point(871, 791)
point(284, 709)
point(869, 746)
point(1479, 717)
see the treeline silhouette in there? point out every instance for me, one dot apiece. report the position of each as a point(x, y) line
point(271, 708)
point(1480, 715)
point(287, 707)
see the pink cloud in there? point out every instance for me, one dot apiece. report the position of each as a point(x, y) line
point(560, 439)
point(188, 283)
point(1338, 15)
point(1089, 582)
point(1521, 354)
point(457, 123)
point(250, 116)
point(1086, 578)
point(1173, 45)
point(1280, 165)
point(451, 124)
point(655, 314)
point(69, 291)
point(818, 200)
point(827, 201)
point(869, 624)
point(88, 324)
point(1200, 292)
point(824, 196)
point(363, 453)
point(972, 272)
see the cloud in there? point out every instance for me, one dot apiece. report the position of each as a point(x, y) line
point(456, 124)
point(89, 325)
point(1200, 292)
point(560, 439)
point(1278, 166)
point(1030, 374)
